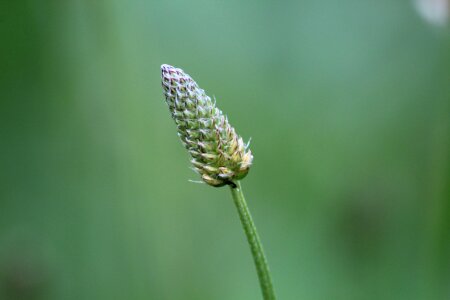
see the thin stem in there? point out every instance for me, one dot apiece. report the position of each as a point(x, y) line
point(256, 248)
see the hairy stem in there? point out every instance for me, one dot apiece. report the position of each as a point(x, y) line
point(256, 248)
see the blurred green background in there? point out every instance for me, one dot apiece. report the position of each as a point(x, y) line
point(348, 107)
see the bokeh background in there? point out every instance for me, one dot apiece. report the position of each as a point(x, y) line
point(347, 104)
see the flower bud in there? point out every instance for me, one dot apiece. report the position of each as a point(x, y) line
point(218, 154)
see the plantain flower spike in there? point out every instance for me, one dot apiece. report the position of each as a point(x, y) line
point(218, 154)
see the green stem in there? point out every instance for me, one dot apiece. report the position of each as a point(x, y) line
point(259, 258)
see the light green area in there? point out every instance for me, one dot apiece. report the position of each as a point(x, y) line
point(347, 105)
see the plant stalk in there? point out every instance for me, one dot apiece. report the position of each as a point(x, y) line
point(256, 248)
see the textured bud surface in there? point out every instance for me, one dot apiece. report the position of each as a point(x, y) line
point(219, 155)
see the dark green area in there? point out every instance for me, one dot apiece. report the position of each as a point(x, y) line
point(348, 107)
